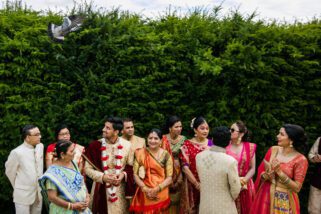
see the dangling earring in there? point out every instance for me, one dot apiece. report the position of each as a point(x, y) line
point(238, 141)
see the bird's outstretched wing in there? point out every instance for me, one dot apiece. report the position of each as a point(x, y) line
point(70, 24)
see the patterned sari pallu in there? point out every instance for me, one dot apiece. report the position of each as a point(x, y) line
point(68, 183)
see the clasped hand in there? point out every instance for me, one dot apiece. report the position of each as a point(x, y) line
point(276, 166)
point(271, 169)
point(317, 158)
point(151, 193)
point(113, 178)
point(243, 182)
point(80, 206)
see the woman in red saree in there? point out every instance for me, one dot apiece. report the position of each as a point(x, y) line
point(281, 174)
point(190, 195)
point(153, 170)
point(244, 153)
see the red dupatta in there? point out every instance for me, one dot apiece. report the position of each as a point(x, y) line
point(262, 202)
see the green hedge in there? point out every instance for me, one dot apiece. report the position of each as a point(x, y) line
point(223, 67)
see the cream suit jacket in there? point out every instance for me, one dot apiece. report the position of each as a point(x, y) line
point(220, 183)
point(23, 168)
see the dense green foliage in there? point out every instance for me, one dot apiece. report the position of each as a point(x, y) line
point(225, 68)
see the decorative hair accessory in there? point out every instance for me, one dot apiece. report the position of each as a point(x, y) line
point(192, 122)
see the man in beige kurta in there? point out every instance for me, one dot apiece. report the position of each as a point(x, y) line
point(219, 180)
point(107, 159)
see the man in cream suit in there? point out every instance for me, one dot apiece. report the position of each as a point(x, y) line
point(220, 183)
point(23, 168)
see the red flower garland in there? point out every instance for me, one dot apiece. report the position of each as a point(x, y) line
point(118, 156)
point(104, 158)
point(117, 167)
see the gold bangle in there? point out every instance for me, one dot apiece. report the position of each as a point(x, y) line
point(160, 187)
point(287, 180)
point(284, 179)
point(68, 206)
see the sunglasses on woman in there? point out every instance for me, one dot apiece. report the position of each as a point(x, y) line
point(233, 130)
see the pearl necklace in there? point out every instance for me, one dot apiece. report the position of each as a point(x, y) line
point(117, 163)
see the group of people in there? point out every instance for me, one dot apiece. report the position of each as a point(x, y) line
point(168, 174)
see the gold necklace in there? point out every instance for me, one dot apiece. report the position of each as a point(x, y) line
point(156, 155)
point(173, 141)
point(199, 142)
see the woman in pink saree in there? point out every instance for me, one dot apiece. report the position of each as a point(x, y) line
point(244, 153)
point(281, 174)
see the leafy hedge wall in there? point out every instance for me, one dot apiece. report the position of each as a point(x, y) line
point(225, 68)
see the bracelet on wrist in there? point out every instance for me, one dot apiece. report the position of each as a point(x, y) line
point(286, 180)
point(160, 187)
point(68, 208)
